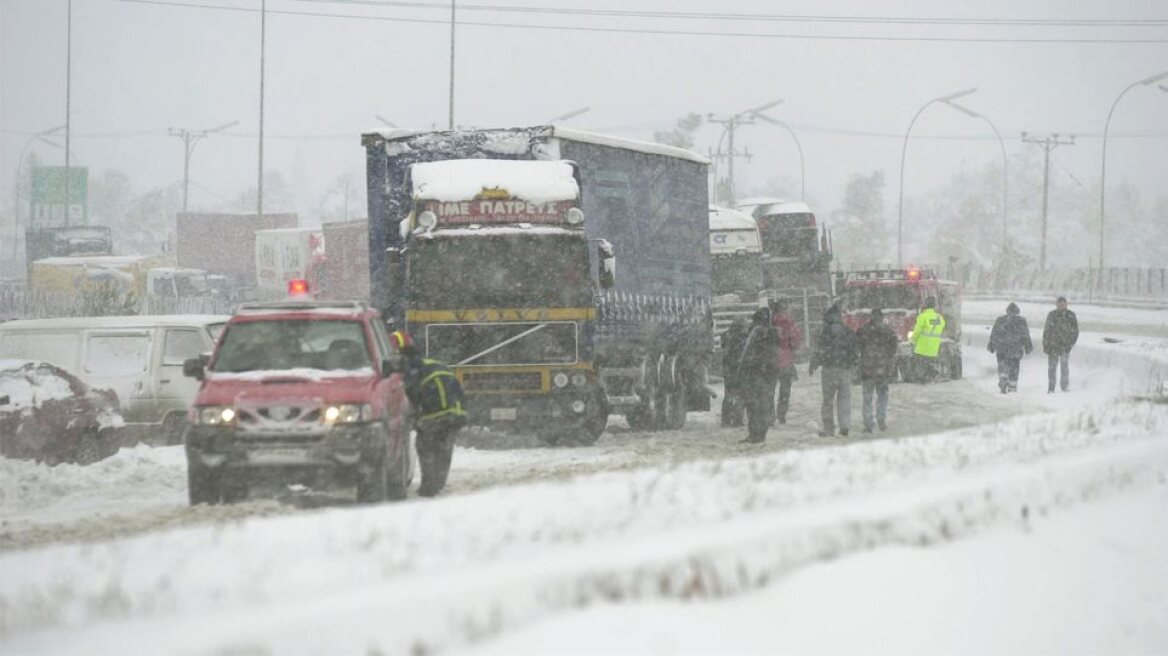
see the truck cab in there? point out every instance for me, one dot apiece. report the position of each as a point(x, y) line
point(901, 293)
point(299, 392)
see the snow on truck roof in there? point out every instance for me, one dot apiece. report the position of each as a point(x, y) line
point(554, 131)
point(535, 181)
point(724, 218)
point(133, 321)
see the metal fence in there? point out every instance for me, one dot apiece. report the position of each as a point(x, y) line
point(16, 303)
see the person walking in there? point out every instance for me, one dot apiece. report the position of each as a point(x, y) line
point(836, 353)
point(756, 372)
point(1059, 335)
point(733, 339)
point(790, 339)
point(877, 367)
point(926, 340)
point(1010, 341)
point(436, 402)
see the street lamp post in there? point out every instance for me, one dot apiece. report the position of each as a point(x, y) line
point(1005, 162)
point(572, 114)
point(190, 140)
point(43, 138)
point(903, 151)
point(798, 146)
point(1103, 173)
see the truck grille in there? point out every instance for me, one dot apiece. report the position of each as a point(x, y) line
point(483, 344)
point(502, 382)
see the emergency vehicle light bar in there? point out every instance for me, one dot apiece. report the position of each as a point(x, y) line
point(912, 274)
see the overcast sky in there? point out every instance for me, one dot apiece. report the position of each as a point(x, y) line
point(141, 67)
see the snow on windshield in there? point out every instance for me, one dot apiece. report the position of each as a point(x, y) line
point(463, 179)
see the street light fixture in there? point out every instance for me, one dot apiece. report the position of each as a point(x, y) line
point(1005, 162)
point(798, 146)
point(571, 114)
point(42, 137)
point(903, 151)
point(1103, 174)
point(190, 140)
point(731, 123)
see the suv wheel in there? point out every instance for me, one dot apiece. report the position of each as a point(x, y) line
point(374, 486)
point(202, 485)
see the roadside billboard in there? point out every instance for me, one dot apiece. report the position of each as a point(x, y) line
point(59, 198)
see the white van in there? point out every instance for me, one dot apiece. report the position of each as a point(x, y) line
point(139, 357)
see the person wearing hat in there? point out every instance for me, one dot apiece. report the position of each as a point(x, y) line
point(836, 353)
point(1059, 335)
point(733, 339)
point(436, 403)
point(756, 372)
point(926, 339)
point(877, 367)
point(1010, 341)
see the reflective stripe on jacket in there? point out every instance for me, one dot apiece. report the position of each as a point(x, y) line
point(926, 337)
point(434, 390)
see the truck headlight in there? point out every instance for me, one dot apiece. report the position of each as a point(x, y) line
point(574, 216)
point(427, 220)
point(214, 415)
point(579, 380)
point(346, 413)
point(560, 379)
point(578, 406)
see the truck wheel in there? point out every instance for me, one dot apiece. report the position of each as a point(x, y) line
point(548, 438)
point(374, 486)
point(644, 416)
point(233, 493)
point(90, 448)
point(398, 484)
point(202, 485)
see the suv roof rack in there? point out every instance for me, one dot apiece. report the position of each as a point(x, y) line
point(243, 308)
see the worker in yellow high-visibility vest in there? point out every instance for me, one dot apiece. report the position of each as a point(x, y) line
point(926, 340)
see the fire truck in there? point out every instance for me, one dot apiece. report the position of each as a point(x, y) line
point(901, 293)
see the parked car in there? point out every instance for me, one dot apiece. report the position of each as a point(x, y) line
point(299, 393)
point(48, 414)
point(139, 357)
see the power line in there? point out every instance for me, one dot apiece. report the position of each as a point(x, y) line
point(787, 18)
point(649, 31)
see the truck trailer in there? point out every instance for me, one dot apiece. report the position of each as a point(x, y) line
point(497, 250)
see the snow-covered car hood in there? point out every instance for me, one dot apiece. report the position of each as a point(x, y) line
point(275, 385)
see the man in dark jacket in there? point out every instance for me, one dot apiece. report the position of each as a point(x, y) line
point(1010, 340)
point(1059, 335)
point(836, 353)
point(436, 402)
point(733, 339)
point(877, 366)
point(756, 372)
point(790, 339)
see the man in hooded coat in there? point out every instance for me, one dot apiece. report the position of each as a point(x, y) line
point(836, 353)
point(1010, 341)
point(756, 372)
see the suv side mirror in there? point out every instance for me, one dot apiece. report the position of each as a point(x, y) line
point(196, 367)
point(5, 400)
point(607, 264)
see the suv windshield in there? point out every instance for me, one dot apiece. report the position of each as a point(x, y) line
point(284, 344)
point(499, 270)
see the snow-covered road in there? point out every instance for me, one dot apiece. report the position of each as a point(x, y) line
point(108, 558)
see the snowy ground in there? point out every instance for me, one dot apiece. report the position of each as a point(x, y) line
point(675, 542)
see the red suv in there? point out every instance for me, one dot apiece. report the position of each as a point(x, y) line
point(299, 393)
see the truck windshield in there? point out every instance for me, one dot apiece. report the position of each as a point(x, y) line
point(297, 344)
point(740, 273)
point(511, 270)
point(883, 297)
point(788, 235)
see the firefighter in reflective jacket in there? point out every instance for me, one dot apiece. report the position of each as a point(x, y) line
point(926, 339)
point(436, 399)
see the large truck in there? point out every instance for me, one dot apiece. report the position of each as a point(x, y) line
point(497, 250)
point(286, 254)
point(224, 244)
point(343, 274)
point(43, 243)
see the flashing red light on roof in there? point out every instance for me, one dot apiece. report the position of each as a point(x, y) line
point(298, 287)
point(913, 274)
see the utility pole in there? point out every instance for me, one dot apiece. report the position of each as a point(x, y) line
point(1048, 143)
point(260, 177)
point(450, 119)
point(731, 124)
point(68, 103)
point(190, 140)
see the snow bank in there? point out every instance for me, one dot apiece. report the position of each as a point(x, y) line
point(425, 576)
point(463, 179)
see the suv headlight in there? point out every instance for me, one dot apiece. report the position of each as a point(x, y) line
point(214, 415)
point(346, 413)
